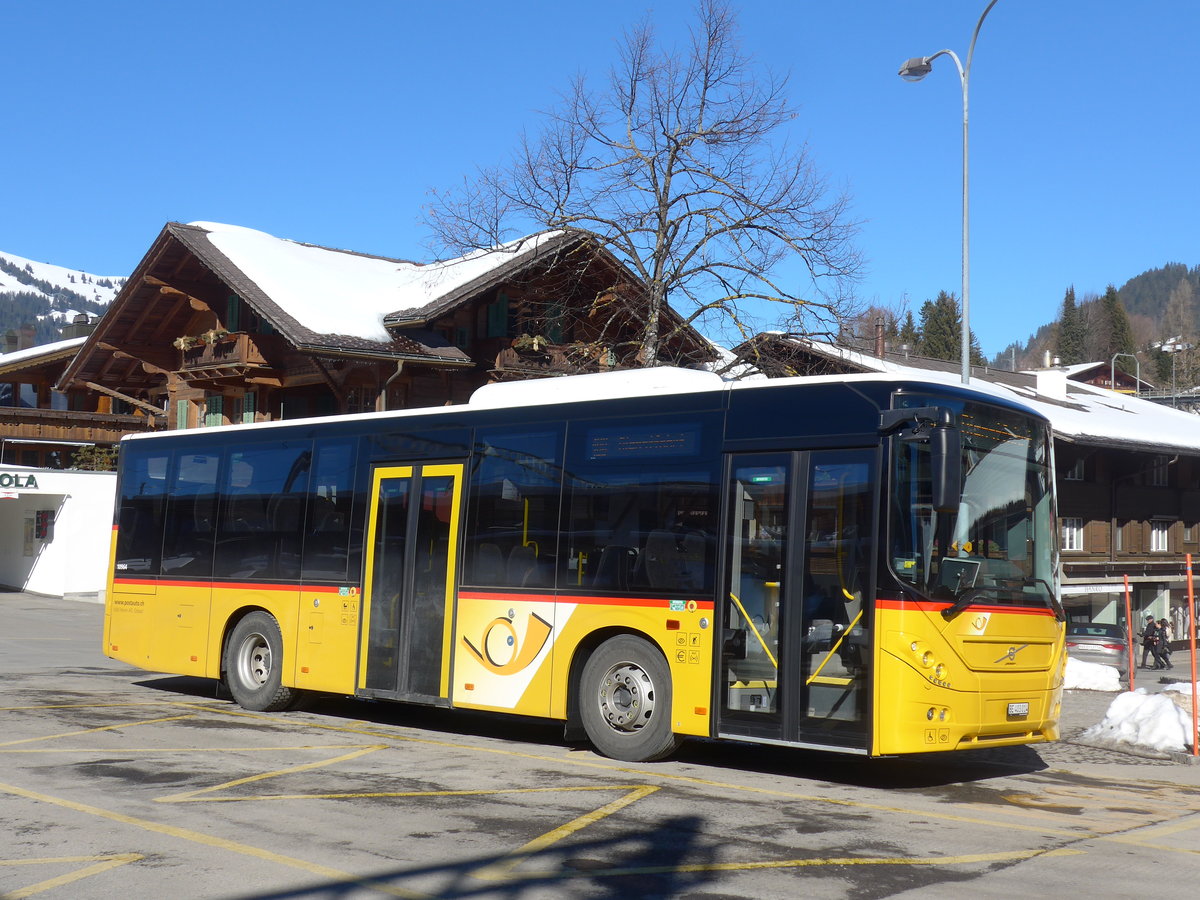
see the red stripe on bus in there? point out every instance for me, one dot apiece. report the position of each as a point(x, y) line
point(931, 606)
point(239, 585)
point(645, 602)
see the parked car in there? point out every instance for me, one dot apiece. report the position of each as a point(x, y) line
point(1097, 643)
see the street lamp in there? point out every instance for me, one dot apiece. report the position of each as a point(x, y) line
point(1112, 371)
point(914, 70)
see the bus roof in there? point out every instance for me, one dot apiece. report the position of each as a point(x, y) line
point(629, 383)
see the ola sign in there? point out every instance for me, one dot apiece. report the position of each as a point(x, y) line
point(17, 480)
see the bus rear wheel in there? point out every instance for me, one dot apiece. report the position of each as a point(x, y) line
point(254, 665)
point(625, 700)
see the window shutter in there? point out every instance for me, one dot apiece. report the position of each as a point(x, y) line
point(248, 406)
point(181, 414)
point(215, 411)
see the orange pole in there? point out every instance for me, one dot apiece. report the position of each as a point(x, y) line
point(1129, 632)
point(1192, 647)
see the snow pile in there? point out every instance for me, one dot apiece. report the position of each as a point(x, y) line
point(1155, 721)
point(1086, 676)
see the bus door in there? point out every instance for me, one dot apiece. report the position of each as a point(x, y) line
point(795, 649)
point(412, 538)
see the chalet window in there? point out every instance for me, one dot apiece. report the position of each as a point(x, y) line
point(1120, 537)
point(1157, 475)
point(233, 313)
point(1160, 535)
point(1189, 534)
point(1074, 472)
point(497, 317)
point(1072, 532)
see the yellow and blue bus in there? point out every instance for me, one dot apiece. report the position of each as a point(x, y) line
point(862, 564)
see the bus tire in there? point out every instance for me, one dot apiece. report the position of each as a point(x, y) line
point(254, 665)
point(625, 700)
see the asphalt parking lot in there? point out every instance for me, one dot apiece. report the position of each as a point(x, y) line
point(120, 783)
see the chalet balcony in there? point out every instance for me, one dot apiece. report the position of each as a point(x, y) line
point(224, 356)
point(71, 425)
point(553, 359)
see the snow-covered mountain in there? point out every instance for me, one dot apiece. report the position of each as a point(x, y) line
point(48, 296)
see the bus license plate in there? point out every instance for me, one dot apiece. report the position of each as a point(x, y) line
point(1018, 710)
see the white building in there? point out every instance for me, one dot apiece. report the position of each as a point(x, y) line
point(55, 531)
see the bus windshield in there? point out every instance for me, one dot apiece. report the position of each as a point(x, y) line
point(998, 547)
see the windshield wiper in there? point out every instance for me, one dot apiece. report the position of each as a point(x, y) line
point(965, 599)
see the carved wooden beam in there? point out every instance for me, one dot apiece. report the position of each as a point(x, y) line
point(140, 404)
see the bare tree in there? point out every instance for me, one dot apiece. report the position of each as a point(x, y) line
point(678, 167)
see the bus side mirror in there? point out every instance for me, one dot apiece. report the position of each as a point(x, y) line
point(945, 446)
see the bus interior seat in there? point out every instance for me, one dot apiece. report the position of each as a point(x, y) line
point(522, 566)
point(615, 567)
point(674, 560)
point(489, 564)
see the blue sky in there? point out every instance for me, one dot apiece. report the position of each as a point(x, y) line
point(330, 122)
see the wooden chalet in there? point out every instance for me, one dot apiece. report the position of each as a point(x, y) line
point(221, 325)
point(43, 428)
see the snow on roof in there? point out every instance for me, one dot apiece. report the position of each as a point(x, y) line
point(1087, 414)
point(32, 353)
point(340, 292)
point(596, 386)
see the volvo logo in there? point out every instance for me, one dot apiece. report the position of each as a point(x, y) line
point(1011, 655)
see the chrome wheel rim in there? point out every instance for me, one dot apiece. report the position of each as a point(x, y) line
point(626, 697)
point(254, 661)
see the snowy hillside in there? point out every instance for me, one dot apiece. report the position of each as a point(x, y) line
point(48, 296)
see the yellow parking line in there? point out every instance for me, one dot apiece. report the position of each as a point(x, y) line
point(503, 869)
point(209, 840)
point(102, 864)
point(81, 706)
point(51, 737)
point(304, 767)
point(377, 795)
point(686, 779)
point(966, 859)
point(128, 750)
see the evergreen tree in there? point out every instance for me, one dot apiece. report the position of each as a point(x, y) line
point(941, 331)
point(1117, 335)
point(909, 337)
point(1071, 336)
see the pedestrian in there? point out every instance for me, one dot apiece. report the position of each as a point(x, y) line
point(1164, 642)
point(1150, 643)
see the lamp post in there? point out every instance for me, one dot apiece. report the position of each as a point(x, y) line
point(914, 70)
point(1112, 371)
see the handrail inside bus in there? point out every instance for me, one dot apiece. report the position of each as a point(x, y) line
point(833, 649)
point(746, 616)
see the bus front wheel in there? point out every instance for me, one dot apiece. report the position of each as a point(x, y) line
point(625, 700)
point(254, 665)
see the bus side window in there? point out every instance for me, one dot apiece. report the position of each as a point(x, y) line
point(330, 511)
point(190, 519)
point(642, 508)
point(140, 513)
point(512, 526)
point(262, 502)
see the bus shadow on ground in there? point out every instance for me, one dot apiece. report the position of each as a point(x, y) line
point(916, 771)
point(631, 862)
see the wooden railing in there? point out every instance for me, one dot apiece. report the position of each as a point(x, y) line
point(237, 349)
point(70, 425)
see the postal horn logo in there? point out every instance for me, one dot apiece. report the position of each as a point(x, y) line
point(502, 652)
